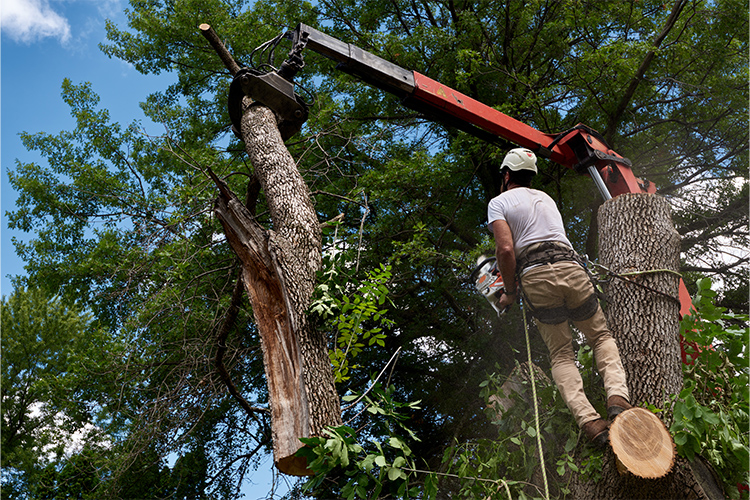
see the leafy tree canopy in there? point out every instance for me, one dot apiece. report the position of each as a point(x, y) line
point(123, 225)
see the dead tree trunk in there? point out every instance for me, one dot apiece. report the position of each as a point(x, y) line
point(279, 269)
point(638, 241)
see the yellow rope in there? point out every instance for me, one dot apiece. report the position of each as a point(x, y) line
point(652, 271)
point(536, 405)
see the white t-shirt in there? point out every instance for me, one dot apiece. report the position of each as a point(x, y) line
point(531, 215)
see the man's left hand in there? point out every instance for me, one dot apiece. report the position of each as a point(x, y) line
point(506, 301)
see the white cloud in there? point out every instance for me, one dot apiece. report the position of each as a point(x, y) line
point(28, 21)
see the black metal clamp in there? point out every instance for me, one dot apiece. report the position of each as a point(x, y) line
point(274, 89)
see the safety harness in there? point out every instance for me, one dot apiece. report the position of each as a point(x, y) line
point(549, 252)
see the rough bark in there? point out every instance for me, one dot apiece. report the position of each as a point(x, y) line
point(279, 270)
point(637, 236)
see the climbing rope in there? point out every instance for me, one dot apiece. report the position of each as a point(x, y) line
point(624, 276)
point(536, 404)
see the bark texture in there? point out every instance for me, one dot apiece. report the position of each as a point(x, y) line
point(279, 271)
point(637, 236)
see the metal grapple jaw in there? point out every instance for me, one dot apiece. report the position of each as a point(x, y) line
point(274, 89)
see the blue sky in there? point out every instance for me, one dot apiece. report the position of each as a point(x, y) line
point(41, 43)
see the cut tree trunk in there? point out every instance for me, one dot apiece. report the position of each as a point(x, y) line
point(642, 444)
point(637, 238)
point(279, 269)
point(636, 235)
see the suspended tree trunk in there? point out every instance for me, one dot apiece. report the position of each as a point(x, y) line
point(279, 269)
point(637, 238)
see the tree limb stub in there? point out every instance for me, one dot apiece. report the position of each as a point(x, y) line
point(208, 32)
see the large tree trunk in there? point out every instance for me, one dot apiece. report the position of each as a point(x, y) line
point(637, 236)
point(279, 272)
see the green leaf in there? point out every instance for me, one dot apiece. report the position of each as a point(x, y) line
point(395, 442)
point(393, 473)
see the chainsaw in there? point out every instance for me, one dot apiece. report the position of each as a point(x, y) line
point(488, 281)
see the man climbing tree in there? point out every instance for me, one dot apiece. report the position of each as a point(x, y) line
point(125, 223)
point(535, 258)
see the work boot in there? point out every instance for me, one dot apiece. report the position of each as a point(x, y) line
point(597, 431)
point(616, 405)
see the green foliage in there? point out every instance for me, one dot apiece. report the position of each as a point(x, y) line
point(49, 351)
point(122, 226)
point(60, 433)
point(354, 309)
point(121, 221)
point(711, 412)
point(377, 469)
point(487, 468)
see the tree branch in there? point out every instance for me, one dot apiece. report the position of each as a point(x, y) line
point(208, 32)
point(229, 321)
point(627, 96)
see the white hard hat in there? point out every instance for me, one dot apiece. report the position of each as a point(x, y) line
point(520, 159)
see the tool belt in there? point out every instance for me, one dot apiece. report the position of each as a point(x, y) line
point(548, 252)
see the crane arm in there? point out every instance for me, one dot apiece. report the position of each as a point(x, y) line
point(580, 148)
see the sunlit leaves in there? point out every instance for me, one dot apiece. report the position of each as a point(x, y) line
point(711, 412)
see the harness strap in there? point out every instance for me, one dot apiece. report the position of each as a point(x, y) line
point(545, 252)
point(557, 315)
point(549, 252)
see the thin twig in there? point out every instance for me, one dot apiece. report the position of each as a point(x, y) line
point(499, 482)
point(374, 381)
point(229, 322)
point(362, 229)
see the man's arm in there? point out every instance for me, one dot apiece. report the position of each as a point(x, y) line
point(506, 261)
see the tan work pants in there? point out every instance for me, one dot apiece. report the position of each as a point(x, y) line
point(567, 284)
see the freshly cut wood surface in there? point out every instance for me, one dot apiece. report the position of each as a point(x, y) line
point(642, 444)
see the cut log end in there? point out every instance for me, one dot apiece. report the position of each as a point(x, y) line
point(642, 444)
point(294, 466)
